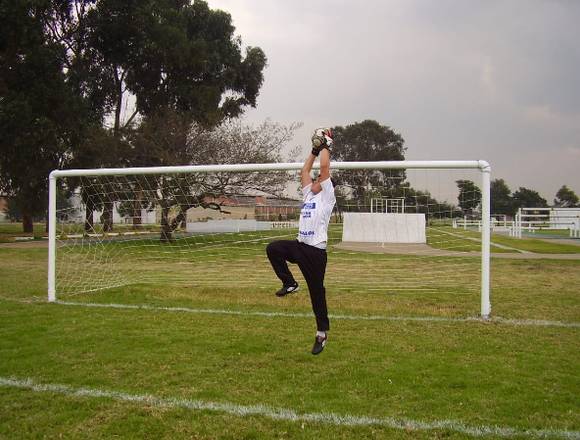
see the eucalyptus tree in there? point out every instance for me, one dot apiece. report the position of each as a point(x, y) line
point(528, 198)
point(501, 199)
point(367, 141)
point(41, 116)
point(76, 72)
point(469, 195)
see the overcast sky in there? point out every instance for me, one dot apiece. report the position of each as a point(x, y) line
point(459, 79)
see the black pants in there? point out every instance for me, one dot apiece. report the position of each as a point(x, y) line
point(312, 264)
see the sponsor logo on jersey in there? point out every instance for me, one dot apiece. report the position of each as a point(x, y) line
point(311, 205)
point(306, 233)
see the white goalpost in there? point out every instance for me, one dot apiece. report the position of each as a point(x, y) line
point(194, 223)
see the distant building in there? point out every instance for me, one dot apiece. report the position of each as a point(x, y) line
point(277, 209)
point(75, 213)
point(244, 207)
point(241, 213)
point(232, 207)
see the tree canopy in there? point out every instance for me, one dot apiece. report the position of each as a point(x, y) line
point(469, 196)
point(173, 55)
point(40, 115)
point(501, 199)
point(528, 198)
point(171, 140)
point(69, 68)
point(566, 198)
point(368, 141)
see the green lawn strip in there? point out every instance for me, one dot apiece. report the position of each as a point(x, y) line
point(341, 304)
point(536, 289)
point(439, 237)
point(523, 244)
point(23, 272)
point(459, 240)
point(523, 289)
point(246, 267)
point(520, 289)
point(562, 233)
point(421, 371)
point(40, 228)
point(16, 228)
point(48, 415)
point(536, 246)
point(9, 232)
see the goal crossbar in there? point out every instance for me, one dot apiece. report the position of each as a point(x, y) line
point(285, 166)
point(481, 165)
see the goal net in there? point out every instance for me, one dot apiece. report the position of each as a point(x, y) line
point(206, 227)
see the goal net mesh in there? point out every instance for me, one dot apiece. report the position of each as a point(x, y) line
point(210, 231)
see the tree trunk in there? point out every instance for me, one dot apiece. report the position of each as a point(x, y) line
point(181, 220)
point(137, 220)
point(89, 223)
point(119, 103)
point(27, 225)
point(166, 236)
point(107, 217)
point(183, 224)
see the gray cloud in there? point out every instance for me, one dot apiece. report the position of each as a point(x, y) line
point(459, 79)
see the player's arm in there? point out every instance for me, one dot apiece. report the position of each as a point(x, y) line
point(321, 143)
point(305, 173)
point(324, 165)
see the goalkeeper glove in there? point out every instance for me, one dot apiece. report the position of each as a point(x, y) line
point(322, 138)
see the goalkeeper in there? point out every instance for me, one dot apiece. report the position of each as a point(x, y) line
point(309, 249)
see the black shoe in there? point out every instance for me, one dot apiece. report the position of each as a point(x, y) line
point(285, 290)
point(319, 343)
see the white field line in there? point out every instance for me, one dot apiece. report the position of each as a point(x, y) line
point(286, 414)
point(502, 246)
point(496, 320)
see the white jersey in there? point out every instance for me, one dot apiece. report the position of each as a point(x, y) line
point(315, 214)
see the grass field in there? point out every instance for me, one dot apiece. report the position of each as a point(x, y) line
point(535, 245)
point(562, 233)
point(10, 231)
point(206, 350)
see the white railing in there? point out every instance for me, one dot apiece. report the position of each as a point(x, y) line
point(498, 223)
point(538, 219)
point(465, 224)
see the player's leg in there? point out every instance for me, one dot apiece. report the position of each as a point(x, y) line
point(279, 253)
point(312, 263)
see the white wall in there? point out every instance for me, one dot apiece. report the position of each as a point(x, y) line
point(384, 228)
point(214, 226)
